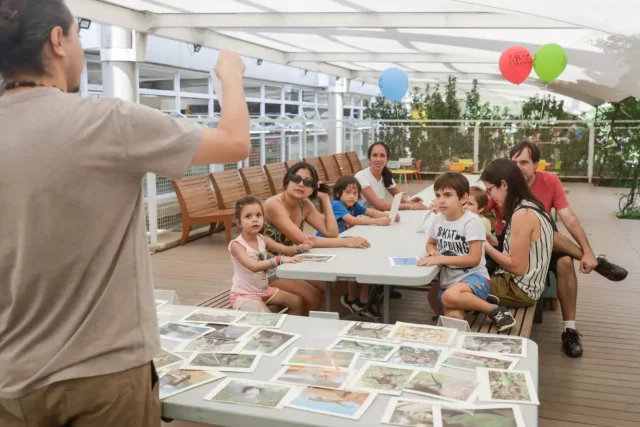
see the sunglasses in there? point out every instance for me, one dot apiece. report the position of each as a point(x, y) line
point(297, 179)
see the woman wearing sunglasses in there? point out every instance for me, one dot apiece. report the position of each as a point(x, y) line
point(285, 216)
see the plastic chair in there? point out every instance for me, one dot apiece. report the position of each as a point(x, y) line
point(457, 167)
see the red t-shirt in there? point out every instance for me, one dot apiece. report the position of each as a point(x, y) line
point(547, 188)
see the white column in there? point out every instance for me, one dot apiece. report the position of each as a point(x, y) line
point(118, 59)
point(84, 81)
point(476, 146)
point(592, 147)
point(339, 86)
point(176, 87)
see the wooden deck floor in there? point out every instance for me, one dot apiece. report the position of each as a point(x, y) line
point(600, 389)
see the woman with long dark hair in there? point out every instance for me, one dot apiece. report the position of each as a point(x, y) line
point(527, 237)
point(376, 180)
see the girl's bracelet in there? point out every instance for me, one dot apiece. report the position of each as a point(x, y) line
point(298, 250)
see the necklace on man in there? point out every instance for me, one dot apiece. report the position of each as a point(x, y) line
point(25, 83)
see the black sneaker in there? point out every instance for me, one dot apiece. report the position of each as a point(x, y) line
point(572, 343)
point(610, 270)
point(394, 294)
point(502, 319)
point(345, 301)
point(492, 299)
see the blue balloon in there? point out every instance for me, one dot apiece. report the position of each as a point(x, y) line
point(394, 83)
point(579, 133)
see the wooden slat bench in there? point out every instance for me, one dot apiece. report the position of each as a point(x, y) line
point(256, 182)
point(331, 168)
point(229, 188)
point(354, 160)
point(290, 163)
point(322, 176)
point(525, 318)
point(223, 301)
point(343, 164)
point(275, 174)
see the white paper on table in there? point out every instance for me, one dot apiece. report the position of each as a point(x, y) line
point(395, 206)
point(484, 380)
point(331, 402)
point(423, 407)
point(474, 409)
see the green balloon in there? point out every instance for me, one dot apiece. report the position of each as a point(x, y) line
point(549, 62)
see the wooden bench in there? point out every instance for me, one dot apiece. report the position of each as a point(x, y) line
point(322, 176)
point(198, 206)
point(343, 164)
point(525, 318)
point(275, 173)
point(290, 163)
point(331, 168)
point(229, 188)
point(255, 182)
point(223, 301)
point(354, 160)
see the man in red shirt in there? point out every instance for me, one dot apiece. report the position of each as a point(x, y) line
point(548, 189)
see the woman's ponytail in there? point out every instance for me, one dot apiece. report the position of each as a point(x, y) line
point(387, 177)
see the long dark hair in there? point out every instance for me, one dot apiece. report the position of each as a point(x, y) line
point(293, 170)
point(387, 176)
point(505, 170)
point(25, 28)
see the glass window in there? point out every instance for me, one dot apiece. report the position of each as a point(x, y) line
point(254, 108)
point(292, 109)
point(155, 78)
point(194, 83)
point(165, 103)
point(346, 113)
point(194, 106)
point(357, 114)
point(356, 101)
point(308, 96)
point(216, 106)
point(94, 73)
point(323, 98)
point(271, 108)
point(272, 92)
point(292, 95)
point(252, 89)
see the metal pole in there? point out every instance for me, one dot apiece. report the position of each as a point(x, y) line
point(476, 146)
point(303, 141)
point(263, 149)
point(592, 146)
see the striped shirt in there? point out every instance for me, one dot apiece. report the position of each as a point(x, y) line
point(535, 278)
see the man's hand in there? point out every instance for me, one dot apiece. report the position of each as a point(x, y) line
point(588, 262)
point(229, 65)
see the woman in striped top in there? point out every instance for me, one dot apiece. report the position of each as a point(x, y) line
point(527, 236)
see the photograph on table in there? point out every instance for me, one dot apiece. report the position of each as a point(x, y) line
point(263, 320)
point(381, 378)
point(372, 350)
point(316, 257)
point(417, 356)
point(233, 332)
point(160, 303)
point(313, 376)
point(367, 330)
point(480, 415)
point(268, 342)
point(166, 360)
point(411, 413)
point(444, 385)
point(422, 333)
point(253, 393)
point(340, 403)
point(470, 360)
point(322, 358)
point(182, 332)
point(206, 344)
point(500, 385)
point(403, 261)
point(228, 362)
point(508, 345)
point(210, 315)
point(179, 380)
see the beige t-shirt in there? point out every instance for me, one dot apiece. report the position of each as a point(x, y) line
point(76, 293)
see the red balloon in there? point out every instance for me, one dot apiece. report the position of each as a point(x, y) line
point(516, 64)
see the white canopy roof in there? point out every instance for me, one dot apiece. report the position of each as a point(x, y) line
point(429, 39)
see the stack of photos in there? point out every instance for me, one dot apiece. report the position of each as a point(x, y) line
point(480, 416)
point(335, 379)
point(207, 344)
point(412, 413)
point(210, 315)
point(229, 362)
point(445, 386)
point(373, 350)
point(422, 333)
point(166, 360)
point(268, 342)
point(499, 385)
point(254, 393)
point(470, 360)
point(345, 360)
point(371, 331)
point(381, 378)
point(263, 320)
point(511, 346)
point(182, 332)
point(419, 357)
point(340, 403)
point(179, 380)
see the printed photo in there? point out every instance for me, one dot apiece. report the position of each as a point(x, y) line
point(312, 376)
point(422, 333)
point(469, 360)
point(253, 393)
point(269, 342)
point(403, 261)
point(512, 346)
point(443, 386)
point(165, 360)
point(181, 332)
point(179, 380)
point(230, 362)
point(340, 403)
point(263, 320)
point(373, 331)
point(480, 416)
point(322, 358)
point(381, 378)
point(412, 413)
point(373, 350)
point(422, 357)
point(208, 315)
point(206, 344)
point(497, 385)
point(229, 332)
point(160, 303)
point(316, 257)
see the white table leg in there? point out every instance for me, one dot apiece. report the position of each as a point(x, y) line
point(386, 296)
point(327, 296)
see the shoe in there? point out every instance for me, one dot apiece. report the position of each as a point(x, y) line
point(572, 343)
point(373, 310)
point(345, 301)
point(492, 299)
point(502, 319)
point(610, 270)
point(394, 294)
point(369, 311)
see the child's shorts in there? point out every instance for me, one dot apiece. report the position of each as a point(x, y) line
point(479, 285)
point(265, 296)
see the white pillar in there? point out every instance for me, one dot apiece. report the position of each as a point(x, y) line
point(338, 87)
point(476, 146)
point(84, 81)
point(118, 59)
point(591, 155)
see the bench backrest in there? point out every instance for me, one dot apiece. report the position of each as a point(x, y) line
point(315, 162)
point(275, 174)
point(290, 163)
point(354, 160)
point(343, 164)
point(255, 182)
point(331, 168)
point(195, 196)
point(229, 188)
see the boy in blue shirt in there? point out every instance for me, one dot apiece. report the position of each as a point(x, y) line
point(348, 212)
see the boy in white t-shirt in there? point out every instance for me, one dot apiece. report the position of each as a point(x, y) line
point(456, 243)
